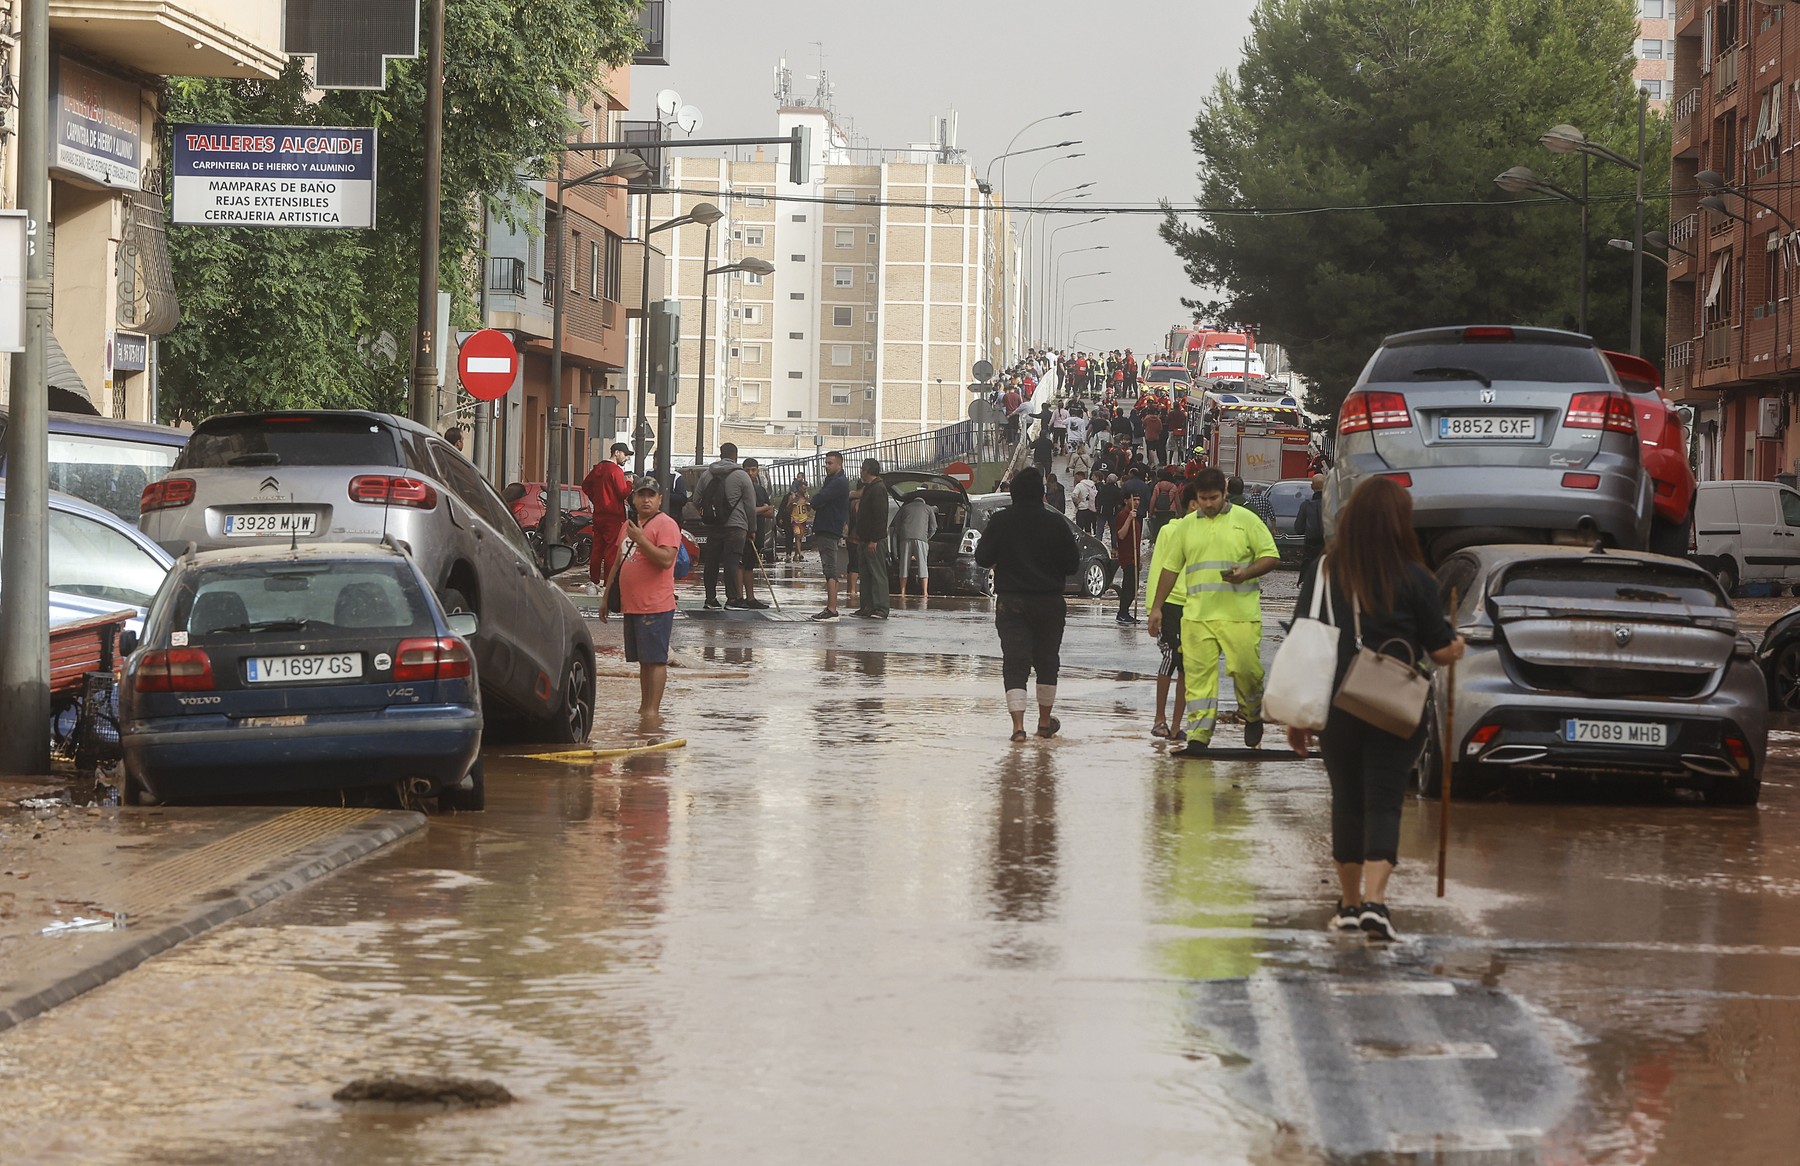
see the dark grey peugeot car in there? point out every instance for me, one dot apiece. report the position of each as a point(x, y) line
point(1503, 435)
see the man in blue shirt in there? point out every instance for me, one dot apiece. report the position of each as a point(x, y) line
point(831, 513)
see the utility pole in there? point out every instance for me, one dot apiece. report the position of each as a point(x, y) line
point(553, 469)
point(424, 403)
point(25, 556)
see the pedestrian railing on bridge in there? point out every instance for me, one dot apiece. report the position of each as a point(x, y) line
point(966, 441)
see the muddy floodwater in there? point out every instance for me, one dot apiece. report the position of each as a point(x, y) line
point(850, 922)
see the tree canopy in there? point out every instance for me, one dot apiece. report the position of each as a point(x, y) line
point(1405, 111)
point(279, 317)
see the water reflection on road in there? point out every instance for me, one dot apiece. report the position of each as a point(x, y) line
point(851, 922)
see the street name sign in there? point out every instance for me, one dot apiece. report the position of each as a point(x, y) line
point(274, 176)
point(488, 363)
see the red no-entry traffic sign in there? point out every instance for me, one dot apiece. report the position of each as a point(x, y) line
point(961, 472)
point(488, 363)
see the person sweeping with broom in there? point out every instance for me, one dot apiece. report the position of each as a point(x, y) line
point(1383, 595)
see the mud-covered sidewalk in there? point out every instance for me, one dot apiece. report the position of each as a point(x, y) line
point(88, 891)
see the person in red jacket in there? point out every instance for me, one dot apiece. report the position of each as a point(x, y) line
point(608, 493)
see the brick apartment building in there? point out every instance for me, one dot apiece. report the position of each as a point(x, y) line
point(1731, 330)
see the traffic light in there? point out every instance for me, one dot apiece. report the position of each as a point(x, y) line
point(665, 351)
point(800, 156)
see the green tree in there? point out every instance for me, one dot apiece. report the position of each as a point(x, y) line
point(1370, 103)
point(279, 318)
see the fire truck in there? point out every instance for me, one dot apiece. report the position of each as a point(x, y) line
point(1257, 438)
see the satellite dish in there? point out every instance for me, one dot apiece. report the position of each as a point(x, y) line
point(983, 371)
point(668, 102)
point(689, 119)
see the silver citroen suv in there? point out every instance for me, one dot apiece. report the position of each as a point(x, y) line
point(314, 476)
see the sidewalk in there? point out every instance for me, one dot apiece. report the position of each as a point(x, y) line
point(148, 878)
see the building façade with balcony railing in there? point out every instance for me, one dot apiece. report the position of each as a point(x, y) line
point(1732, 272)
point(601, 267)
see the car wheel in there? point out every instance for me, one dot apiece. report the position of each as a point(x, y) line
point(1784, 677)
point(454, 601)
point(1670, 538)
point(584, 548)
point(1428, 770)
point(1726, 572)
point(465, 801)
point(1735, 791)
point(574, 716)
point(1093, 580)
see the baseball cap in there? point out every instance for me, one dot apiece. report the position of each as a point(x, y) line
point(620, 447)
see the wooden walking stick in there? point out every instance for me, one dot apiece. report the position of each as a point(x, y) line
point(1447, 746)
point(757, 552)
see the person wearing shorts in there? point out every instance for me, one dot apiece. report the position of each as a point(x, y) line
point(645, 572)
point(831, 514)
point(1169, 641)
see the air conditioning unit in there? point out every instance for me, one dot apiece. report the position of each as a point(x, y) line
point(1768, 418)
point(868, 394)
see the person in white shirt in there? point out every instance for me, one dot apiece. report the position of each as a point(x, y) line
point(1059, 427)
point(1078, 429)
point(1082, 494)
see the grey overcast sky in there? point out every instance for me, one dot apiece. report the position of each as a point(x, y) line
point(1145, 67)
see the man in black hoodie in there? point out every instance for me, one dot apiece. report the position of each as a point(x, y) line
point(1032, 552)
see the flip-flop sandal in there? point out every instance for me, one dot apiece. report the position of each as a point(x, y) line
point(1018, 735)
point(1049, 730)
point(1161, 729)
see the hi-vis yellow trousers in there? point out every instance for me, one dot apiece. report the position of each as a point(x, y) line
point(1203, 641)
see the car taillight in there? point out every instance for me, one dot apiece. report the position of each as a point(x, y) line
point(388, 490)
point(1400, 477)
point(174, 670)
point(1740, 752)
point(1480, 737)
point(167, 494)
point(1486, 335)
point(1365, 411)
point(435, 658)
point(1609, 411)
point(1581, 481)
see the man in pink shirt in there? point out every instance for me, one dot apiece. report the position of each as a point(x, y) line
point(645, 570)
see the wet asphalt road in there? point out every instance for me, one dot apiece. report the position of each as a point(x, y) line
point(851, 922)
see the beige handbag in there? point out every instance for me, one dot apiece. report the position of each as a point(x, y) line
point(1385, 691)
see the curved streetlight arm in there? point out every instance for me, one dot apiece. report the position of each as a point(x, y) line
point(1015, 138)
point(1625, 245)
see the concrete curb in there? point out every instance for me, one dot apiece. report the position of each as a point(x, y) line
point(307, 865)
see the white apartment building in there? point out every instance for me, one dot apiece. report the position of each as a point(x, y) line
point(1655, 71)
point(877, 308)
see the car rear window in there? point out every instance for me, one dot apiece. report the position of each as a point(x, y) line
point(289, 441)
point(1630, 581)
point(109, 472)
point(1502, 361)
point(313, 597)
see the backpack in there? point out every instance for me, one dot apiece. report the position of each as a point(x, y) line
point(711, 500)
point(1163, 501)
point(684, 562)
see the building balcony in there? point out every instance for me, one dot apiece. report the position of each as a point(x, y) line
point(177, 38)
point(1726, 68)
point(653, 22)
point(1682, 113)
point(1678, 370)
point(506, 276)
point(1716, 345)
point(1685, 11)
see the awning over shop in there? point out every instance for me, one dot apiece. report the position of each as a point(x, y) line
point(67, 391)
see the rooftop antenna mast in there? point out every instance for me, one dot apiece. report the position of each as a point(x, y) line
point(784, 84)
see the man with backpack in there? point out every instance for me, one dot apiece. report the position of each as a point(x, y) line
point(1163, 501)
point(726, 502)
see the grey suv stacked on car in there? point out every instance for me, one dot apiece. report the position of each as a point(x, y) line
point(305, 476)
point(1503, 434)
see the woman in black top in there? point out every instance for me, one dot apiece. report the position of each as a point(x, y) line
point(1374, 563)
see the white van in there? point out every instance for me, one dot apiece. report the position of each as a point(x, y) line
point(1748, 532)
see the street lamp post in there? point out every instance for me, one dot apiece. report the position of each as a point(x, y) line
point(1040, 216)
point(755, 267)
point(1075, 339)
point(627, 166)
point(1521, 180)
point(702, 212)
point(1056, 274)
point(1073, 308)
point(1062, 291)
point(1050, 244)
point(1005, 283)
point(1566, 139)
